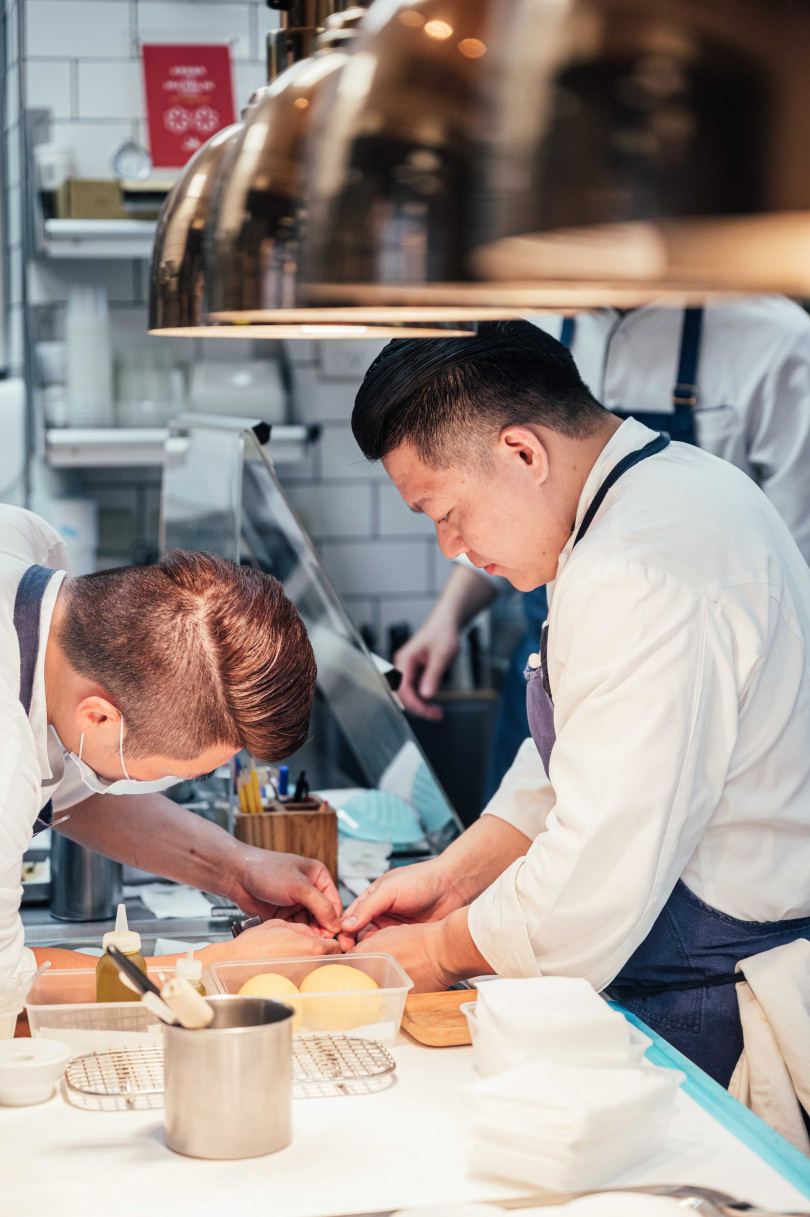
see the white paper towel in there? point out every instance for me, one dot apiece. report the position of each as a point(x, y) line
point(174, 900)
point(566, 1128)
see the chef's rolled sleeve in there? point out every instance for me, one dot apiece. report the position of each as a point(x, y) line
point(498, 927)
point(646, 717)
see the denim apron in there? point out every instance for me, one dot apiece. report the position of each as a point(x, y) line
point(681, 979)
point(511, 725)
point(27, 608)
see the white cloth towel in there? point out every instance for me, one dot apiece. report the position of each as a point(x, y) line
point(772, 1077)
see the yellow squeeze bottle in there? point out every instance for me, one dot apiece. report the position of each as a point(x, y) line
point(191, 970)
point(109, 986)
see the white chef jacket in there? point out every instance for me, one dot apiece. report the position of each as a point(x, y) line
point(32, 764)
point(753, 390)
point(679, 632)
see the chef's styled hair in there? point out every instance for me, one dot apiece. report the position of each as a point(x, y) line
point(195, 652)
point(450, 397)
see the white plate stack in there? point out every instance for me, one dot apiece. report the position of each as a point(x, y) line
point(88, 359)
point(567, 1102)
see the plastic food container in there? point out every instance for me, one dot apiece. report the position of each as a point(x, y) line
point(62, 1006)
point(375, 1013)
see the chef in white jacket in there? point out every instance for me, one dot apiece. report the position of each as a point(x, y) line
point(148, 645)
point(656, 828)
point(733, 378)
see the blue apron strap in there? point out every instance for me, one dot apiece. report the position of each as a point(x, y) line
point(27, 609)
point(568, 330)
point(684, 394)
point(633, 458)
point(27, 605)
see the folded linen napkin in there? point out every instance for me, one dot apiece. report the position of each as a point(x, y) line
point(772, 1076)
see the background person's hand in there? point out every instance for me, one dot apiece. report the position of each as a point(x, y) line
point(426, 657)
point(422, 892)
point(423, 661)
point(296, 890)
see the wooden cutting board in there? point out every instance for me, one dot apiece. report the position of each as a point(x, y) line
point(436, 1018)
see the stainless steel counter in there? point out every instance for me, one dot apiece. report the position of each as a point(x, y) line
point(43, 930)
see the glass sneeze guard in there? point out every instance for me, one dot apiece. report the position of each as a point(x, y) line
point(221, 494)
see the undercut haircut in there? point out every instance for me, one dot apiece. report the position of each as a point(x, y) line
point(195, 652)
point(450, 398)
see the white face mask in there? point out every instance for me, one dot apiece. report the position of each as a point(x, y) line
point(125, 785)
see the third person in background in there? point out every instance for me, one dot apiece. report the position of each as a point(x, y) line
point(732, 378)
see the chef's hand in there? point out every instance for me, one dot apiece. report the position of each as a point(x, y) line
point(435, 955)
point(418, 949)
point(272, 940)
point(300, 890)
point(418, 893)
point(423, 661)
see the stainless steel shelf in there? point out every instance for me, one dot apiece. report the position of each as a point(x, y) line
point(119, 447)
point(99, 238)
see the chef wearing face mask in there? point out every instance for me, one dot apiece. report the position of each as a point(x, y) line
point(125, 682)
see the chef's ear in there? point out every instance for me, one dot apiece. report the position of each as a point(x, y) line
point(93, 712)
point(524, 444)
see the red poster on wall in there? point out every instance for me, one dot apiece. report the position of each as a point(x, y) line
point(189, 97)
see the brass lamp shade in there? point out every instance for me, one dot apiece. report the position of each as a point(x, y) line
point(252, 237)
point(175, 299)
point(252, 250)
point(233, 213)
point(564, 153)
point(395, 192)
point(650, 141)
point(390, 194)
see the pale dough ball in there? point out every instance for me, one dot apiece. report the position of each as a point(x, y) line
point(331, 1010)
point(273, 984)
point(267, 984)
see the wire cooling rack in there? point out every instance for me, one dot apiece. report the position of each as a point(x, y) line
point(324, 1066)
point(124, 1080)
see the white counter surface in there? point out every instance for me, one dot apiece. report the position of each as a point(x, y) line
point(401, 1147)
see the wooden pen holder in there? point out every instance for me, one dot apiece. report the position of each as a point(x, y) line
point(308, 828)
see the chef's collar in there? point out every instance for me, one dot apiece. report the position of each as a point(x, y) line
point(627, 438)
point(38, 714)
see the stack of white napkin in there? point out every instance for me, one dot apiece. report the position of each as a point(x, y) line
point(567, 1102)
point(553, 1017)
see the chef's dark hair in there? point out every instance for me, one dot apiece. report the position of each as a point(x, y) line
point(195, 652)
point(449, 396)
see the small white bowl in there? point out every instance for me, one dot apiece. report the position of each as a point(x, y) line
point(29, 1070)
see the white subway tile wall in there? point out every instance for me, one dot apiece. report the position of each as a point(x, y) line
point(78, 29)
point(82, 62)
point(234, 23)
point(366, 567)
point(333, 511)
point(51, 82)
point(108, 88)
